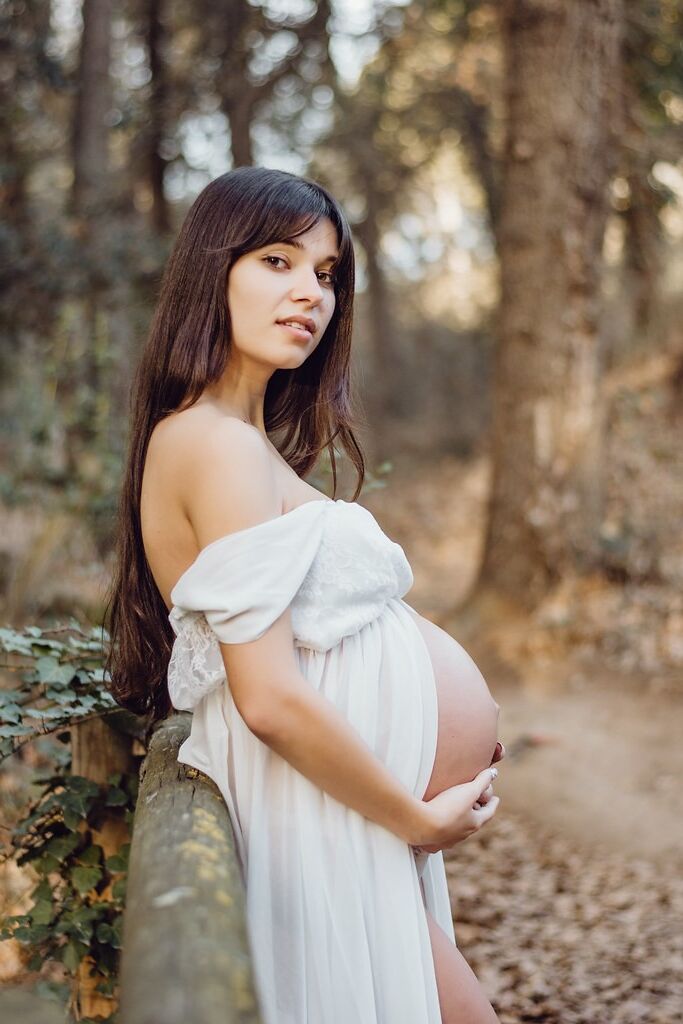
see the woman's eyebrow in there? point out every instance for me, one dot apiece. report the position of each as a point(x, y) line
point(296, 244)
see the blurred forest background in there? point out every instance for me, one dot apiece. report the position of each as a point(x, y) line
point(513, 173)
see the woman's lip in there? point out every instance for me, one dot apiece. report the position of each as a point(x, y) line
point(299, 332)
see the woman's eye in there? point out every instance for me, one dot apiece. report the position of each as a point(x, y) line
point(279, 263)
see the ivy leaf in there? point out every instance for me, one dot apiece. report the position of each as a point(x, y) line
point(11, 712)
point(117, 932)
point(86, 701)
point(104, 932)
point(91, 855)
point(58, 693)
point(119, 861)
point(81, 924)
point(85, 879)
point(72, 954)
point(43, 891)
point(15, 730)
point(74, 810)
point(46, 865)
point(118, 890)
point(13, 642)
point(53, 712)
point(116, 797)
point(62, 846)
point(41, 912)
point(9, 696)
point(47, 668)
point(63, 676)
point(34, 935)
point(85, 787)
point(72, 818)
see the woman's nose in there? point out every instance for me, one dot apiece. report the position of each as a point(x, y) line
point(307, 286)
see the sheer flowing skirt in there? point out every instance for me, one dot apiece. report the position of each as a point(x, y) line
point(335, 913)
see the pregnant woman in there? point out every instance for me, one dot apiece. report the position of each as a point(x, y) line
point(352, 739)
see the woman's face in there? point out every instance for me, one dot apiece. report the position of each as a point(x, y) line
point(285, 281)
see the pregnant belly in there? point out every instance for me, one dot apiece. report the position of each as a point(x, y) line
point(467, 713)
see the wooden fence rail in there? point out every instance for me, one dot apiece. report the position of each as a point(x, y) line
point(186, 957)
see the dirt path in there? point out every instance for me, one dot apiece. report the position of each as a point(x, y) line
point(598, 760)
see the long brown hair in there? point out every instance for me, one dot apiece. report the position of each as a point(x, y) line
point(186, 350)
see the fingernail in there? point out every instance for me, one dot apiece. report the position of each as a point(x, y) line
point(494, 773)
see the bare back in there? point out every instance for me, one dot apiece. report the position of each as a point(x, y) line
point(176, 447)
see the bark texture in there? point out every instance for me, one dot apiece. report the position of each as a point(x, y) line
point(562, 98)
point(93, 103)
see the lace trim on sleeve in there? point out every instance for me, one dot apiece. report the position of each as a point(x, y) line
point(196, 666)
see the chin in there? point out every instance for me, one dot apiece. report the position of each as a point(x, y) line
point(292, 360)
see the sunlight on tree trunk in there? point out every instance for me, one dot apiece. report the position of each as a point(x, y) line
point(545, 506)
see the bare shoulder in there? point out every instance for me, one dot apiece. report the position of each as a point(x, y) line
point(223, 471)
point(201, 431)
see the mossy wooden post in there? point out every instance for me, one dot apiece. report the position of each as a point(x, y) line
point(185, 948)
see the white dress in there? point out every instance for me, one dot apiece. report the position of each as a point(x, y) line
point(335, 914)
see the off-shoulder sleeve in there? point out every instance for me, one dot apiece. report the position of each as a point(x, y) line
point(243, 582)
point(234, 591)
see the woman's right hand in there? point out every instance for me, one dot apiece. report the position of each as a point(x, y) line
point(458, 812)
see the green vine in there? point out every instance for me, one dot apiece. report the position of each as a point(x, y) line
point(71, 918)
point(61, 682)
point(79, 894)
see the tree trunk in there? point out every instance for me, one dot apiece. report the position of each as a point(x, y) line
point(156, 164)
point(383, 349)
point(561, 86)
point(238, 110)
point(93, 102)
point(90, 198)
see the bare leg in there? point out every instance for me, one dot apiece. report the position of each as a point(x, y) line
point(461, 997)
